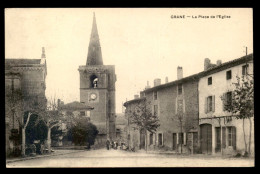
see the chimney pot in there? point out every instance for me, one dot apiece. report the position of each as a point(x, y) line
point(166, 79)
point(147, 86)
point(179, 73)
point(206, 63)
point(157, 82)
point(219, 62)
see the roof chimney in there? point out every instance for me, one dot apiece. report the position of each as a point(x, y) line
point(136, 96)
point(43, 52)
point(206, 63)
point(219, 62)
point(166, 79)
point(157, 82)
point(147, 86)
point(179, 73)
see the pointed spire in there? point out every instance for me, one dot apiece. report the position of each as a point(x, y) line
point(43, 52)
point(94, 49)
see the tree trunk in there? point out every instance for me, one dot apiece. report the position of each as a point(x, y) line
point(249, 142)
point(49, 140)
point(23, 142)
point(244, 135)
point(146, 141)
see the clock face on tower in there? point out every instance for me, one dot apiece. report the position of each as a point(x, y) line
point(93, 96)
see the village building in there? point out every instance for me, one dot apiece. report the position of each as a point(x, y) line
point(220, 131)
point(97, 88)
point(176, 105)
point(121, 127)
point(71, 112)
point(135, 137)
point(28, 77)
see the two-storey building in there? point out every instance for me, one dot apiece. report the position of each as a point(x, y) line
point(220, 131)
point(176, 105)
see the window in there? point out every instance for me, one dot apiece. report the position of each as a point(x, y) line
point(181, 140)
point(227, 100)
point(160, 139)
point(155, 95)
point(88, 113)
point(180, 106)
point(229, 75)
point(210, 104)
point(151, 139)
point(232, 136)
point(82, 113)
point(210, 81)
point(155, 110)
point(245, 70)
point(94, 81)
point(179, 89)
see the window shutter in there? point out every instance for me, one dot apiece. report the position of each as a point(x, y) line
point(234, 142)
point(206, 105)
point(184, 138)
point(183, 105)
point(177, 138)
point(224, 101)
point(176, 105)
point(223, 137)
point(213, 103)
point(162, 139)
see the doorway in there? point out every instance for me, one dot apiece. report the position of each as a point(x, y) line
point(206, 138)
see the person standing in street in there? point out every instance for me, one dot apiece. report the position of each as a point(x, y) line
point(108, 144)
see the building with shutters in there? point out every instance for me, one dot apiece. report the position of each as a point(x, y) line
point(220, 131)
point(176, 105)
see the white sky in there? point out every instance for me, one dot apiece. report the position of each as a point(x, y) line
point(143, 44)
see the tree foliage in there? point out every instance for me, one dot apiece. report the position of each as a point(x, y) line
point(82, 133)
point(242, 103)
point(143, 118)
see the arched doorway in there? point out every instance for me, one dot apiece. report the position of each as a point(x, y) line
point(206, 138)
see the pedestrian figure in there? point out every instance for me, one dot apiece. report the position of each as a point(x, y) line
point(112, 144)
point(108, 144)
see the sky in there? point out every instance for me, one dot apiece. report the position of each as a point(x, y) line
point(142, 43)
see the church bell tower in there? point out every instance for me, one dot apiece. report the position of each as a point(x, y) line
point(97, 88)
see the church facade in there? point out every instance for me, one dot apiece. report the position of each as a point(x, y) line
point(97, 88)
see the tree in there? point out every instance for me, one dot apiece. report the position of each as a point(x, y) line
point(83, 132)
point(50, 115)
point(143, 119)
point(35, 132)
point(242, 104)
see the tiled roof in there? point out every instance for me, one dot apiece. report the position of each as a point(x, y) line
point(134, 100)
point(227, 65)
point(213, 69)
point(76, 106)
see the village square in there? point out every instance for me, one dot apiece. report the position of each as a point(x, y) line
point(204, 119)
